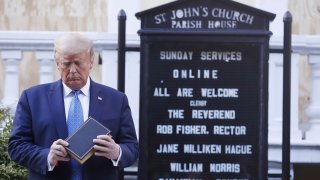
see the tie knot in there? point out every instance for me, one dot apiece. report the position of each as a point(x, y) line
point(76, 92)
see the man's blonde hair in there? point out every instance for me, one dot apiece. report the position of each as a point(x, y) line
point(72, 43)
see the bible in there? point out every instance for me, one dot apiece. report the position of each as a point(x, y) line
point(80, 142)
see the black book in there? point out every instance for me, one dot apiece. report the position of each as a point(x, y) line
point(80, 142)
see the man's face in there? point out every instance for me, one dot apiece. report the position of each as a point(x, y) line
point(74, 68)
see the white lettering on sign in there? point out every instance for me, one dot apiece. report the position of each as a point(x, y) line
point(168, 148)
point(222, 24)
point(189, 12)
point(186, 24)
point(176, 55)
point(160, 18)
point(176, 113)
point(164, 129)
point(198, 103)
point(191, 129)
point(238, 149)
point(225, 167)
point(192, 18)
point(220, 92)
point(229, 130)
point(185, 92)
point(161, 92)
point(202, 149)
point(213, 114)
point(194, 74)
point(186, 167)
point(221, 56)
point(232, 15)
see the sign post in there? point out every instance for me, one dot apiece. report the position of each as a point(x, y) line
point(204, 91)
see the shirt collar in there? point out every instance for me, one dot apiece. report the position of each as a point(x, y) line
point(84, 89)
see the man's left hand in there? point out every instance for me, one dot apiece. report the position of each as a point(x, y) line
point(106, 147)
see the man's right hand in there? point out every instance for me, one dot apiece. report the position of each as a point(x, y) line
point(58, 152)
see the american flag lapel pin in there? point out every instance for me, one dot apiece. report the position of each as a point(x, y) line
point(99, 98)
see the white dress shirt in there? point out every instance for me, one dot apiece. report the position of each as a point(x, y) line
point(84, 98)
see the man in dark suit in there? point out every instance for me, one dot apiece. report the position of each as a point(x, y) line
point(41, 120)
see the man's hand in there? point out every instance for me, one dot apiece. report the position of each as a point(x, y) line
point(58, 152)
point(106, 147)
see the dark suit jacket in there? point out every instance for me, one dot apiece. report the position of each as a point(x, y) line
point(40, 120)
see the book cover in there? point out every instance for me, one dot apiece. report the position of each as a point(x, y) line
point(80, 142)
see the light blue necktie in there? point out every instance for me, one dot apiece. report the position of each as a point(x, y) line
point(75, 119)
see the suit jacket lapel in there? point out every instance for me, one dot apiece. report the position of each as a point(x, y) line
point(55, 96)
point(96, 100)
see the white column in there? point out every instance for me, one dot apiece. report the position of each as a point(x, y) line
point(45, 60)
point(275, 98)
point(109, 68)
point(132, 88)
point(11, 60)
point(313, 110)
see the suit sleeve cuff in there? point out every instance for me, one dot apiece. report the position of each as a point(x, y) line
point(116, 162)
point(50, 167)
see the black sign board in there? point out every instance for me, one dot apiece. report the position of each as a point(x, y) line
point(204, 91)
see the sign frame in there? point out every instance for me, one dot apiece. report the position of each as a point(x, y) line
point(149, 36)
